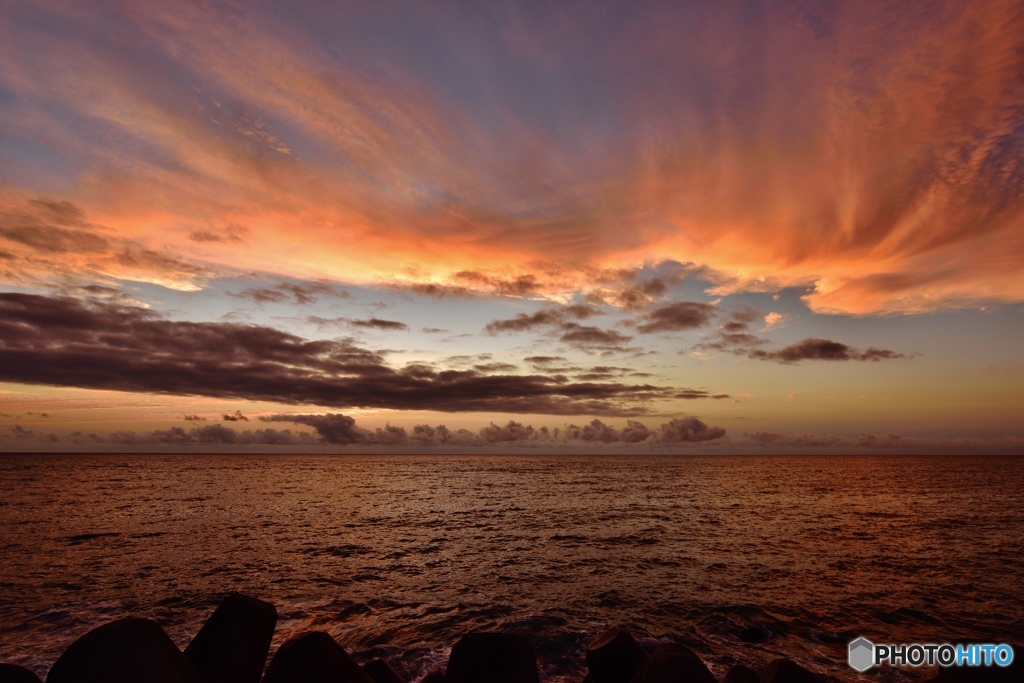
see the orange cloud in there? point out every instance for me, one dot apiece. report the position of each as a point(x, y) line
point(871, 154)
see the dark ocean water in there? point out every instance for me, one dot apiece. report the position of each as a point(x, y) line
point(400, 555)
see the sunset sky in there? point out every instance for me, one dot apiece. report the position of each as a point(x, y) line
point(708, 226)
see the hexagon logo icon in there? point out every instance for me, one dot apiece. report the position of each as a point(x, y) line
point(862, 654)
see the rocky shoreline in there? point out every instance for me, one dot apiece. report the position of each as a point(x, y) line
point(233, 645)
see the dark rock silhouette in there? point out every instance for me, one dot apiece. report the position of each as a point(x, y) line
point(12, 673)
point(382, 672)
point(673, 663)
point(786, 671)
point(492, 658)
point(614, 657)
point(741, 674)
point(314, 658)
point(233, 644)
point(123, 651)
point(754, 634)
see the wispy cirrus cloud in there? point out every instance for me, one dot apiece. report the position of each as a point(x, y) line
point(302, 293)
point(875, 160)
point(48, 243)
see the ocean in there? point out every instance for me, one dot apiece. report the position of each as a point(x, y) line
point(398, 556)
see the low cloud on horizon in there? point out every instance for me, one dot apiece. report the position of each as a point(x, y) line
point(334, 431)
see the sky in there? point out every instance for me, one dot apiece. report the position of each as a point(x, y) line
point(721, 226)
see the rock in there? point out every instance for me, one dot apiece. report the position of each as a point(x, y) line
point(741, 674)
point(492, 658)
point(123, 651)
point(785, 671)
point(12, 673)
point(314, 658)
point(382, 672)
point(614, 657)
point(435, 676)
point(232, 646)
point(672, 663)
point(753, 634)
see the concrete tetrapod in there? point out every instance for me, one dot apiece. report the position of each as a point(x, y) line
point(233, 644)
point(614, 657)
point(12, 673)
point(382, 672)
point(673, 663)
point(492, 658)
point(314, 658)
point(123, 651)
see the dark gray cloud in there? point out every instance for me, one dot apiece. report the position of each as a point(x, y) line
point(263, 295)
point(520, 286)
point(210, 435)
point(590, 337)
point(744, 315)
point(337, 429)
point(691, 394)
point(823, 349)
point(561, 322)
point(495, 367)
point(333, 428)
point(66, 342)
point(627, 289)
point(302, 294)
point(602, 372)
point(676, 431)
point(545, 317)
point(435, 290)
point(734, 338)
point(342, 430)
point(543, 360)
point(523, 322)
point(379, 324)
point(230, 233)
point(678, 316)
point(637, 297)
